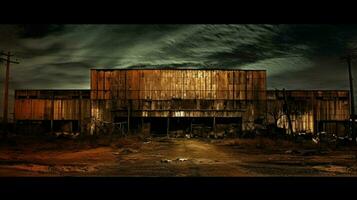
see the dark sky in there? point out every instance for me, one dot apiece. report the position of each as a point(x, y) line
point(295, 56)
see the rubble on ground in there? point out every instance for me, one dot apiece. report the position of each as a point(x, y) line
point(65, 134)
point(182, 159)
point(306, 152)
point(128, 151)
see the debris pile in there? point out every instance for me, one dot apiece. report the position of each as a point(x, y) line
point(128, 151)
point(325, 138)
point(181, 159)
point(166, 161)
point(69, 135)
point(177, 160)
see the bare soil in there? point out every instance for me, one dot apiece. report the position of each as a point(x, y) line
point(135, 156)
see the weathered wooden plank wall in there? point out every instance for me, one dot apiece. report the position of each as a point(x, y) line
point(37, 105)
point(181, 84)
point(178, 93)
point(310, 107)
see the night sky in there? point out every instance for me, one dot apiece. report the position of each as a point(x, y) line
point(60, 56)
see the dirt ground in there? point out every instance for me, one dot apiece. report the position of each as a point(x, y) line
point(174, 157)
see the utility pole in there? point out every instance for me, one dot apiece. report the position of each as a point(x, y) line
point(349, 58)
point(8, 60)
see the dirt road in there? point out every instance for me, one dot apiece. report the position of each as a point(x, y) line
point(176, 157)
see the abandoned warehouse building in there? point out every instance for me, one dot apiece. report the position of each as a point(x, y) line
point(39, 111)
point(310, 111)
point(179, 101)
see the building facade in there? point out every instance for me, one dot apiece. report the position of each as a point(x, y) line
point(169, 99)
point(165, 100)
point(310, 111)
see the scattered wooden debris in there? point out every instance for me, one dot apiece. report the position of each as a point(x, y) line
point(182, 159)
point(128, 150)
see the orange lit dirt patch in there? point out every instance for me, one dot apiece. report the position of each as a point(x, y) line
point(176, 157)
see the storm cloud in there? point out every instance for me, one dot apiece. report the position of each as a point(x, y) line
point(295, 56)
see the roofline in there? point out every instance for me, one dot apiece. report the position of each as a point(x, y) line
point(52, 89)
point(207, 69)
point(313, 90)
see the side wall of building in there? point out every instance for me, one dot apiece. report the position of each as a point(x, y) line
point(309, 110)
point(52, 105)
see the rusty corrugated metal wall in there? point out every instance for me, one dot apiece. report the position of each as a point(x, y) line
point(308, 108)
point(178, 93)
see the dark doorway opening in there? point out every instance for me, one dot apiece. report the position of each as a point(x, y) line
point(228, 120)
point(180, 123)
point(66, 126)
point(158, 125)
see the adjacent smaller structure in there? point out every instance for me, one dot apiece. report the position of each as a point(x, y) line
point(38, 111)
point(311, 111)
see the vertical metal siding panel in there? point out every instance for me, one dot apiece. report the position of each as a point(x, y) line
point(231, 85)
point(145, 85)
point(131, 84)
point(121, 84)
point(141, 85)
point(164, 90)
point(49, 109)
point(213, 85)
point(17, 108)
point(28, 108)
point(38, 107)
point(174, 83)
point(107, 85)
point(19, 112)
point(94, 79)
point(188, 84)
point(249, 85)
point(136, 84)
point(94, 82)
point(66, 109)
point(194, 84)
point(198, 86)
point(100, 86)
point(56, 110)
